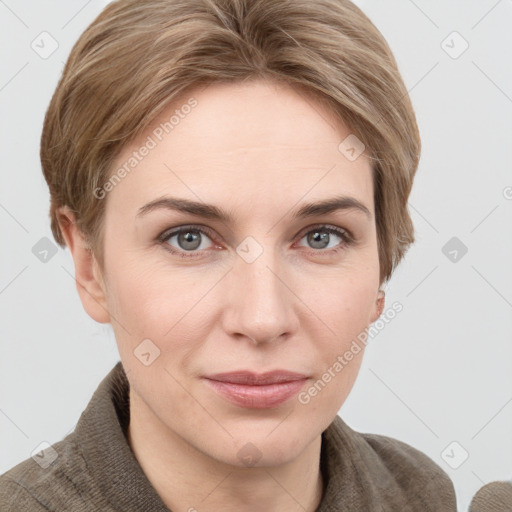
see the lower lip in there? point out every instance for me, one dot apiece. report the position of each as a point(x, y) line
point(257, 397)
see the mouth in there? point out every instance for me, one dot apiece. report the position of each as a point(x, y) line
point(257, 391)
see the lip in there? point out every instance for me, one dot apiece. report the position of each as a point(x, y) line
point(257, 379)
point(257, 391)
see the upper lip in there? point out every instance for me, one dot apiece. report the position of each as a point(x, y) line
point(257, 379)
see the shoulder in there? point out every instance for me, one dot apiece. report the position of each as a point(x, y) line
point(55, 479)
point(423, 480)
point(16, 498)
point(396, 454)
point(392, 472)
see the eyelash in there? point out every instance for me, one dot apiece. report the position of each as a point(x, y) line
point(346, 237)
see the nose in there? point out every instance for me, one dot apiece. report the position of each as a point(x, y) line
point(260, 303)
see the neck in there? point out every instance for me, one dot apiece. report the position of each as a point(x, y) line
point(188, 479)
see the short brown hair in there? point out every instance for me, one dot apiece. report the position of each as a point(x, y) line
point(137, 57)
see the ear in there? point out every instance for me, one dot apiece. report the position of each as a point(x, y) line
point(379, 306)
point(88, 278)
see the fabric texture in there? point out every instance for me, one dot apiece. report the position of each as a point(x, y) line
point(95, 469)
point(493, 497)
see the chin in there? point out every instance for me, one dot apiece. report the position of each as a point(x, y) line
point(263, 449)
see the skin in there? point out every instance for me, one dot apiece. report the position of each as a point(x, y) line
point(258, 150)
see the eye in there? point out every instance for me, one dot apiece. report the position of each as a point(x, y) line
point(190, 241)
point(187, 239)
point(321, 237)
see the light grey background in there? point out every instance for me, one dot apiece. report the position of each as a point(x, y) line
point(439, 372)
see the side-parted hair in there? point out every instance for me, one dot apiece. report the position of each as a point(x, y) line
point(137, 57)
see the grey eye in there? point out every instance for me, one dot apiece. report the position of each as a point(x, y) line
point(318, 240)
point(324, 238)
point(188, 239)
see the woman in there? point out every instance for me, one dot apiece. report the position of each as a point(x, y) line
point(231, 178)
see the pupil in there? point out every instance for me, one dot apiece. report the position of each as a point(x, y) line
point(189, 240)
point(320, 237)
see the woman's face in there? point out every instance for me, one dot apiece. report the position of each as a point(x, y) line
point(262, 289)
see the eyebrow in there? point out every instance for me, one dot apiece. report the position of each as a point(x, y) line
point(209, 211)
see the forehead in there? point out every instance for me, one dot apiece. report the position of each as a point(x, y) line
point(257, 143)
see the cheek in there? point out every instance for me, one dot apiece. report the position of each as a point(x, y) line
point(136, 305)
point(168, 308)
point(344, 309)
point(344, 300)
point(137, 284)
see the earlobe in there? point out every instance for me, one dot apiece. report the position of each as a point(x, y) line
point(88, 280)
point(379, 306)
